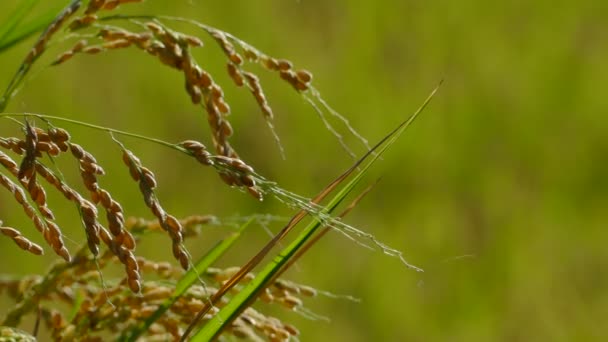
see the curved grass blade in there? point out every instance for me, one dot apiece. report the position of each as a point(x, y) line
point(238, 303)
point(298, 254)
point(15, 18)
point(27, 30)
point(242, 300)
point(255, 260)
point(37, 51)
point(187, 280)
point(322, 233)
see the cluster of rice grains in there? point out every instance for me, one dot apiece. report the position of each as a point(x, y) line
point(169, 223)
point(54, 142)
point(31, 147)
point(173, 49)
point(111, 310)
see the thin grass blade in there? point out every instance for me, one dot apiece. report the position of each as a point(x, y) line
point(242, 300)
point(253, 262)
point(228, 313)
point(28, 29)
point(13, 20)
point(298, 254)
point(191, 277)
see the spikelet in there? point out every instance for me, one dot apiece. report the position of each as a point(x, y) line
point(21, 240)
point(82, 22)
point(256, 89)
point(94, 6)
point(127, 311)
point(43, 40)
point(172, 49)
point(53, 141)
point(190, 224)
point(89, 170)
point(120, 245)
point(226, 46)
point(111, 306)
point(235, 74)
point(52, 235)
point(49, 230)
point(14, 144)
point(198, 151)
point(69, 193)
point(147, 184)
point(235, 172)
point(97, 5)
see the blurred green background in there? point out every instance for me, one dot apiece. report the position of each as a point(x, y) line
point(499, 191)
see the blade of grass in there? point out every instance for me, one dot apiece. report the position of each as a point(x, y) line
point(216, 324)
point(187, 281)
point(31, 57)
point(322, 233)
point(253, 262)
point(296, 256)
point(30, 28)
point(24, 7)
point(228, 313)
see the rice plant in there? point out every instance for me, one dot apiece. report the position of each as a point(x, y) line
point(184, 298)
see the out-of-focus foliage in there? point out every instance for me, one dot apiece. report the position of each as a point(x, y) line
point(499, 192)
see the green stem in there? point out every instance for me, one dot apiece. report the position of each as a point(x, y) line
point(97, 127)
point(27, 64)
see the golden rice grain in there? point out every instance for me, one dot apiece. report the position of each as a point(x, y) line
point(290, 77)
point(307, 291)
point(54, 238)
point(198, 151)
point(82, 22)
point(64, 57)
point(42, 41)
point(287, 286)
point(94, 6)
point(49, 229)
point(251, 54)
point(293, 331)
point(235, 74)
point(291, 302)
point(21, 240)
point(258, 94)
point(7, 162)
point(192, 41)
point(255, 193)
point(236, 58)
point(147, 183)
point(283, 64)
point(304, 76)
point(270, 63)
point(93, 50)
point(111, 4)
point(117, 44)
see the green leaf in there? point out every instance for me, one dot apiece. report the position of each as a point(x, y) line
point(245, 297)
point(186, 281)
point(16, 34)
point(16, 17)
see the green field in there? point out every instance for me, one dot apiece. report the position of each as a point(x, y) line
point(496, 191)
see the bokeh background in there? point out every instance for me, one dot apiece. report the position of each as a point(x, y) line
point(499, 191)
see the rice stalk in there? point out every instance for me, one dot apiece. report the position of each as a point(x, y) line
point(172, 305)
